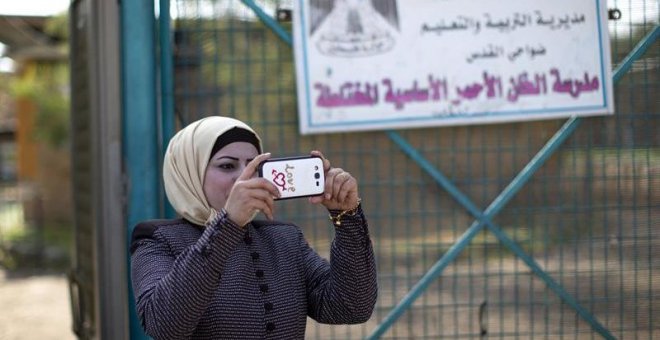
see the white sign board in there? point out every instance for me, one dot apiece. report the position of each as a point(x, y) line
point(381, 64)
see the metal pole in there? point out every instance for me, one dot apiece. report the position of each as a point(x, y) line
point(166, 89)
point(140, 123)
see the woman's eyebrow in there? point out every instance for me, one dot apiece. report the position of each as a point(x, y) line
point(229, 157)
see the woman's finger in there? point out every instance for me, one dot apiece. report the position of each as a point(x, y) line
point(262, 184)
point(251, 167)
point(330, 179)
point(349, 186)
point(339, 183)
point(326, 162)
point(245, 202)
point(264, 206)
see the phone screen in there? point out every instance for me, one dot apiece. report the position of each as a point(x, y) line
point(295, 176)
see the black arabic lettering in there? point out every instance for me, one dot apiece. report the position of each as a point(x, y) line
point(521, 20)
point(502, 25)
point(542, 21)
point(461, 23)
point(533, 52)
point(514, 21)
point(489, 52)
point(530, 51)
point(577, 19)
point(563, 22)
point(515, 54)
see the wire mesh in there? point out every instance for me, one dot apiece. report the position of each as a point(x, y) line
point(589, 217)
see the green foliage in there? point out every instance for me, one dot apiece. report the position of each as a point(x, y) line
point(47, 87)
point(28, 248)
point(58, 27)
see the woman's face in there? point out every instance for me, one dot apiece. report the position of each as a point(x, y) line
point(223, 170)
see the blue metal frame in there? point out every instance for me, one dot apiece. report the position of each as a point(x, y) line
point(140, 121)
point(483, 219)
point(166, 90)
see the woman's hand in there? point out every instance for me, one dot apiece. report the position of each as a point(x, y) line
point(341, 188)
point(251, 194)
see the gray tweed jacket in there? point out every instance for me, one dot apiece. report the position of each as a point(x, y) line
point(258, 282)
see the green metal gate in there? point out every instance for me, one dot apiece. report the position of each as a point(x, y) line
point(538, 229)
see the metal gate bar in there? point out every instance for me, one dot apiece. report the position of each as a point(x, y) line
point(166, 74)
point(166, 118)
point(140, 121)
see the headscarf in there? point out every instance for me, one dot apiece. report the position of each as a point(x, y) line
point(184, 165)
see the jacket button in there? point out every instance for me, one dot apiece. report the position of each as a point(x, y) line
point(268, 306)
point(255, 256)
point(270, 327)
point(247, 239)
point(263, 288)
point(260, 273)
point(206, 251)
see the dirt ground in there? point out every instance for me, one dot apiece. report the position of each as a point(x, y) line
point(34, 306)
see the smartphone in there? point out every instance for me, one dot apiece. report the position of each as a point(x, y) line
point(295, 176)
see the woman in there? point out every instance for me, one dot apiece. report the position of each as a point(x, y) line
point(217, 274)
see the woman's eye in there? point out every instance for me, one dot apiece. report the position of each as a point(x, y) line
point(226, 166)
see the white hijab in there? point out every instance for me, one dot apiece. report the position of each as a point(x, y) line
point(184, 165)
